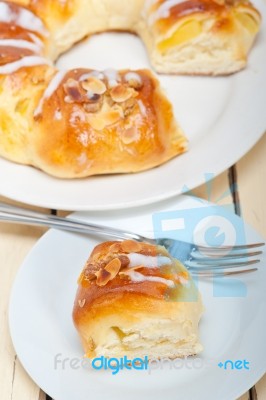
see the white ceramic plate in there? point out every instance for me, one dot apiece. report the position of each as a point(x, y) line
point(41, 325)
point(222, 117)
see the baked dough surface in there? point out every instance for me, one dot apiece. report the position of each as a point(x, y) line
point(77, 123)
point(135, 300)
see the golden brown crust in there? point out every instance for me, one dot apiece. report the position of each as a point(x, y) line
point(217, 8)
point(129, 131)
point(95, 286)
point(71, 127)
point(76, 126)
point(130, 288)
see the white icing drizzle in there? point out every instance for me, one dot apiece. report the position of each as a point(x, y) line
point(28, 61)
point(183, 281)
point(112, 83)
point(95, 74)
point(147, 5)
point(83, 138)
point(35, 39)
point(142, 108)
point(24, 18)
point(112, 76)
point(51, 88)
point(111, 73)
point(90, 94)
point(163, 11)
point(58, 115)
point(148, 261)
point(22, 44)
point(133, 76)
point(137, 277)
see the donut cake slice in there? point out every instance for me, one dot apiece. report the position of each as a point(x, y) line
point(200, 37)
point(135, 300)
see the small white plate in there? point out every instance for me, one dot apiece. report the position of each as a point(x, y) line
point(223, 117)
point(41, 323)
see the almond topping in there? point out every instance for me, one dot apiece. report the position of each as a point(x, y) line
point(126, 271)
point(89, 275)
point(107, 116)
point(92, 107)
point(96, 256)
point(121, 93)
point(130, 135)
point(113, 267)
point(94, 85)
point(150, 250)
point(82, 303)
point(68, 99)
point(134, 80)
point(130, 103)
point(103, 277)
point(115, 247)
point(130, 246)
point(125, 261)
point(73, 91)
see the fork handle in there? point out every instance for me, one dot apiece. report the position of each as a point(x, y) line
point(21, 215)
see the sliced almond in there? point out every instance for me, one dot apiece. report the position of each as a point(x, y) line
point(92, 107)
point(115, 247)
point(89, 275)
point(125, 261)
point(82, 303)
point(134, 80)
point(130, 135)
point(150, 249)
point(103, 277)
point(126, 271)
point(130, 246)
point(94, 85)
point(128, 106)
point(68, 99)
point(96, 256)
point(121, 93)
point(107, 116)
point(73, 91)
point(113, 267)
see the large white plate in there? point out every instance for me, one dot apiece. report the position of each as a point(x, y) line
point(222, 117)
point(41, 325)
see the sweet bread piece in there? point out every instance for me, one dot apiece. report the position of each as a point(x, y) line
point(200, 37)
point(135, 300)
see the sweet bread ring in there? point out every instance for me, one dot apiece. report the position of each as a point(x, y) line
point(135, 300)
point(78, 123)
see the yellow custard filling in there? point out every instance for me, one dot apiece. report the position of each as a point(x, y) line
point(188, 31)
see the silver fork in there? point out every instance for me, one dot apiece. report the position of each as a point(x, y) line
point(200, 260)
